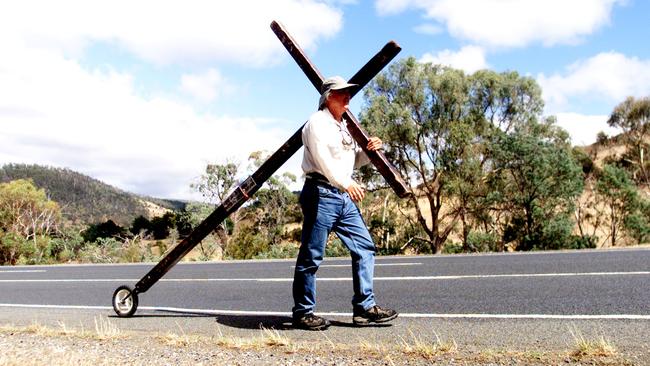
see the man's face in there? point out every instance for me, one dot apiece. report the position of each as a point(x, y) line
point(338, 101)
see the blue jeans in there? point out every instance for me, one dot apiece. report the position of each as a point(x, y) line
point(326, 209)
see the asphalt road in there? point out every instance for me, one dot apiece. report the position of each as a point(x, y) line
point(610, 283)
point(532, 301)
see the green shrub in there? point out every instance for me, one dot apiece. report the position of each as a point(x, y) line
point(283, 250)
point(479, 241)
point(452, 248)
point(104, 250)
point(246, 244)
point(335, 248)
point(583, 242)
point(11, 247)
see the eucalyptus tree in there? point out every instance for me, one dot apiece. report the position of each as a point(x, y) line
point(437, 124)
point(633, 117)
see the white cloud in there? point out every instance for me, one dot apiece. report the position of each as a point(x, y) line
point(428, 28)
point(54, 112)
point(468, 58)
point(192, 31)
point(206, 86)
point(608, 77)
point(511, 23)
point(584, 128)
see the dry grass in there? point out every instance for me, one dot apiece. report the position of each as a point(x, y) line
point(273, 338)
point(431, 348)
point(375, 349)
point(427, 349)
point(584, 347)
point(104, 330)
point(267, 338)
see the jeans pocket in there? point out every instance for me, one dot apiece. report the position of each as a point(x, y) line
point(325, 192)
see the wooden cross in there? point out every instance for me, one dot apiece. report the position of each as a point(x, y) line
point(385, 168)
point(125, 299)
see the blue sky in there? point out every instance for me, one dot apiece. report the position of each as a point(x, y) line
point(142, 95)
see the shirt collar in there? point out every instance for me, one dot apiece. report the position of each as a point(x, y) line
point(329, 114)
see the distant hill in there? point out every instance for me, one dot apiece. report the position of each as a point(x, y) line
point(86, 200)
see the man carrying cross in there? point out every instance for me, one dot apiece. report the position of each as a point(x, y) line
point(327, 197)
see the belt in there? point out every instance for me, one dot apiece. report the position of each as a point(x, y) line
point(320, 179)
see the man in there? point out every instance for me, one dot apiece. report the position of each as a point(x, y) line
point(327, 205)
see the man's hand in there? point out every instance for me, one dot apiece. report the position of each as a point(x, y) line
point(356, 192)
point(374, 143)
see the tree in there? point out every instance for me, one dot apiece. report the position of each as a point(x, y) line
point(196, 213)
point(217, 181)
point(215, 185)
point(160, 225)
point(140, 224)
point(633, 117)
point(537, 180)
point(436, 123)
point(273, 206)
point(103, 230)
point(621, 198)
point(27, 213)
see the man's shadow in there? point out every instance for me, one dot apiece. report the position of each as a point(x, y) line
point(276, 322)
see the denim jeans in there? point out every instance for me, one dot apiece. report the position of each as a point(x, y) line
point(326, 209)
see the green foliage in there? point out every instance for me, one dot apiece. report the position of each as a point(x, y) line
point(437, 124)
point(27, 219)
point(108, 229)
point(583, 242)
point(633, 117)
point(627, 210)
point(161, 225)
point(67, 244)
point(217, 181)
point(273, 206)
point(336, 248)
point(140, 224)
point(26, 210)
point(584, 160)
point(637, 226)
point(453, 248)
point(283, 250)
point(536, 180)
point(112, 250)
point(247, 244)
point(12, 247)
point(478, 241)
point(183, 223)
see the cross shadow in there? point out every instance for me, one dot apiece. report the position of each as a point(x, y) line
point(277, 322)
point(166, 315)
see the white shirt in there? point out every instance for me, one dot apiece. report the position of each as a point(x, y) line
point(330, 149)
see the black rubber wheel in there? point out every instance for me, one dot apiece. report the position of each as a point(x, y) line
point(125, 301)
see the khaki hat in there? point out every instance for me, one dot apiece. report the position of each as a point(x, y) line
point(332, 83)
point(336, 83)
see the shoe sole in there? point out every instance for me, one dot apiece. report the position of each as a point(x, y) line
point(364, 321)
point(304, 327)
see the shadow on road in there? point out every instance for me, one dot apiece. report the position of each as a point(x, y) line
point(163, 315)
point(274, 322)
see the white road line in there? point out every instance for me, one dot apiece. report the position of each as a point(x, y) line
point(337, 314)
point(25, 271)
point(343, 279)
